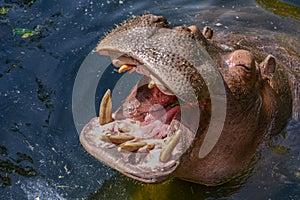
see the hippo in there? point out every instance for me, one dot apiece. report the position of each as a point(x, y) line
point(201, 110)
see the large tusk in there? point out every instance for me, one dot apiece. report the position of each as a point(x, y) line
point(105, 112)
point(171, 144)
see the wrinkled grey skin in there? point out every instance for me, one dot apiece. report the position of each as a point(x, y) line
point(258, 95)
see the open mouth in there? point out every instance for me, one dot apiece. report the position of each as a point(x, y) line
point(148, 135)
point(145, 138)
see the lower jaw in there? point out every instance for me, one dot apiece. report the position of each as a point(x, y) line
point(145, 159)
point(127, 146)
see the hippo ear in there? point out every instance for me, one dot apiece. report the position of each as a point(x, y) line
point(268, 66)
point(207, 32)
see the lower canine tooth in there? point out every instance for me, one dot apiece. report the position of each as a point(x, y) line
point(125, 68)
point(132, 146)
point(171, 144)
point(105, 112)
point(117, 139)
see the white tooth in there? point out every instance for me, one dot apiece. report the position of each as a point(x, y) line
point(169, 147)
point(151, 84)
point(134, 146)
point(105, 112)
point(125, 68)
point(117, 139)
point(150, 146)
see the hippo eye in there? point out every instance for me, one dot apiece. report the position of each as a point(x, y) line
point(245, 67)
point(242, 59)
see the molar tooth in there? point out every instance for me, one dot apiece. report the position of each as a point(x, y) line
point(117, 139)
point(147, 148)
point(169, 147)
point(151, 84)
point(125, 68)
point(105, 112)
point(150, 146)
point(123, 129)
point(134, 146)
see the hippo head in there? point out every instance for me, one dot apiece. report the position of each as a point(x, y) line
point(198, 114)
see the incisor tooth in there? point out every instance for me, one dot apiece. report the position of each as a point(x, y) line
point(117, 139)
point(151, 84)
point(105, 112)
point(123, 129)
point(132, 146)
point(169, 147)
point(125, 68)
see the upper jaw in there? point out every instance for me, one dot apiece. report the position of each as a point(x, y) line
point(172, 57)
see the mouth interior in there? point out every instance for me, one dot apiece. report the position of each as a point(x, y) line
point(151, 105)
point(144, 138)
point(151, 108)
point(145, 120)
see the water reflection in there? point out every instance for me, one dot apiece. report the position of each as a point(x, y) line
point(280, 8)
point(12, 166)
point(21, 2)
point(120, 187)
point(44, 95)
point(261, 180)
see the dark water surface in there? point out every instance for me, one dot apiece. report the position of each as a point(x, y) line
point(40, 153)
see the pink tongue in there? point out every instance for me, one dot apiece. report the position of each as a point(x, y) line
point(156, 129)
point(171, 113)
point(157, 122)
point(163, 115)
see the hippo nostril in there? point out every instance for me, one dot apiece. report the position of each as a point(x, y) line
point(160, 20)
point(194, 29)
point(183, 28)
point(152, 20)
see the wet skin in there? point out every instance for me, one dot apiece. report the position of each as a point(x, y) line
point(156, 133)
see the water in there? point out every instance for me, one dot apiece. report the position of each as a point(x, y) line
point(40, 154)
